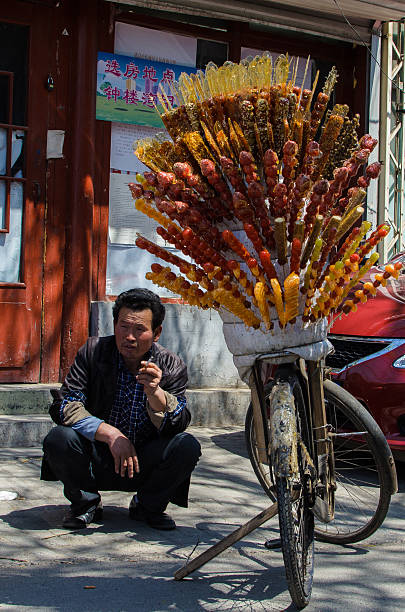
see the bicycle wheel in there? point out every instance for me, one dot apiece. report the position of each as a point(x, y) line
point(365, 476)
point(364, 471)
point(295, 494)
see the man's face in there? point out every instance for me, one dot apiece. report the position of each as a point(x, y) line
point(134, 334)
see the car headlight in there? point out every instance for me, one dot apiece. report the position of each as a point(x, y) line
point(400, 362)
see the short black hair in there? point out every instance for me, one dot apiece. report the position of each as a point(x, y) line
point(140, 299)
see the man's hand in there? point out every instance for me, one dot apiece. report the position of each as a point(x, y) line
point(122, 449)
point(149, 375)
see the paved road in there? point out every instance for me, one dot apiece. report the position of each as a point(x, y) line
point(130, 567)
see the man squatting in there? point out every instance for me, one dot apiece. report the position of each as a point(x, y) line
point(121, 415)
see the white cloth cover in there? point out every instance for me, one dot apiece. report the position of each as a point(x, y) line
point(246, 344)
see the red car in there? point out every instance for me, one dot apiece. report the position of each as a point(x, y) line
point(369, 358)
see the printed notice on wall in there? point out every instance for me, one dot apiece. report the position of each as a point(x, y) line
point(125, 222)
point(123, 138)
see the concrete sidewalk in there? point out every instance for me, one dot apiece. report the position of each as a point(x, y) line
point(130, 567)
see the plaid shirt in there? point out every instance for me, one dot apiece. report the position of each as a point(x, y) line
point(129, 413)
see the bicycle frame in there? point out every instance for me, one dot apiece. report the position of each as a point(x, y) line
point(276, 447)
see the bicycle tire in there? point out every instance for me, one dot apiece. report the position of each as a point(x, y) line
point(296, 519)
point(347, 527)
point(363, 467)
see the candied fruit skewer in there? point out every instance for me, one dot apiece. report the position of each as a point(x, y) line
point(150, 211)
point(197, 147)
point(291, 297)
point(321, 102)
point(256, 195)
point(263, 305)
point(327, 141)
point(281, 239)
point(158, 251)
point(280, 200)
point(136, 190)
point(233, 174)
point(241, 276)
point(354, 198)
point(312, 153)
point(201, 248)
point(191, 271)
point(335, 189)
point(262, 121)
point(236, 307)
point(176, 121)
point(249, 166)
point(329, 238)
point(372, 172)
point(280, 124)
point(278, 301)
point(292, 111)
point(317, 114)
point(318, 191)
point(379, 234)
point(371, 261)
point(305, 100)
point(296, 247)
point(235, 245)
point(390, 270)
point(256, 270)
point(187, 215)
point(348, 221)
point(330, 290)
point(216, 278)
point(343, 271)
point(247, 116)
point(290, 150)
point(268, 266)
point(243, 209)
point(310, 278)
point(353, 240)
point(184, 172)
point(210, 172)
point(254, 237)
point(271, 171)
point(300, 190)
point(238, 248)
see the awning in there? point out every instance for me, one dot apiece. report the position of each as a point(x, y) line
point(319, 17)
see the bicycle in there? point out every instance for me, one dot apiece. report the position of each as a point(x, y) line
point(302, 433)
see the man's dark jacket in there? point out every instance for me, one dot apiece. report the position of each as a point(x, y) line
point(94, 373)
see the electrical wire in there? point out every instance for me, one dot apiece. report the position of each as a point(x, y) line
point(351, 26)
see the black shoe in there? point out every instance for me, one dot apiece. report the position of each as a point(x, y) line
point(80, 521)
point(157, 520)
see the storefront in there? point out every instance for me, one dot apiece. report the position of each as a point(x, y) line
point(68, 226)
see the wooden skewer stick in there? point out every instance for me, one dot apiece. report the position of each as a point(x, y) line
point(222, 545)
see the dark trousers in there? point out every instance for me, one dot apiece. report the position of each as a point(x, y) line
point(86, 467)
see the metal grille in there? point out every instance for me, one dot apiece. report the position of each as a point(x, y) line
point(348, 350)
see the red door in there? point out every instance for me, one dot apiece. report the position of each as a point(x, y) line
point(23, 130)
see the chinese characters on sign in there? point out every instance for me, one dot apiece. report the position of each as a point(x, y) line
point(127, 88)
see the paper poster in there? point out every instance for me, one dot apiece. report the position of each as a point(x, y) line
point(127, 88)
point(125, 221)
point(123, 138)
point(155, 44)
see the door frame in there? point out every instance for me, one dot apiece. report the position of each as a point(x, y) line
point(26, 348)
